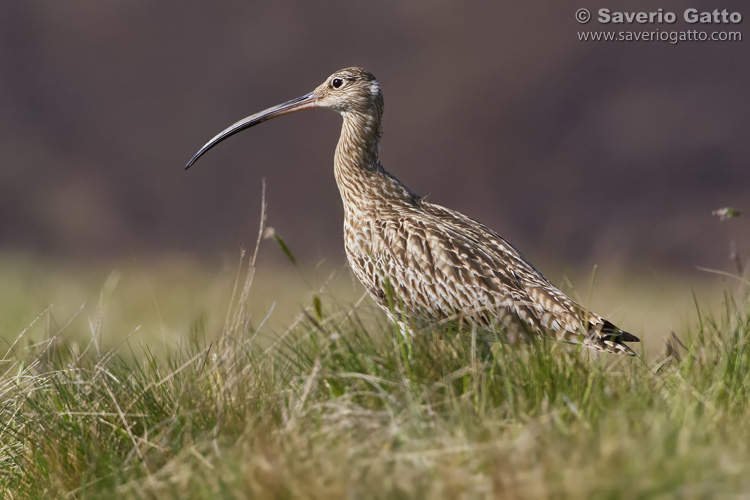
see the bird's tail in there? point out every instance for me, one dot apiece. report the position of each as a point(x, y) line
point(607, 337)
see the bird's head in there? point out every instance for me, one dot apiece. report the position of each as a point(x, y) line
point(349, 90)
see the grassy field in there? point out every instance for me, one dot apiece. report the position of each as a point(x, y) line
point(168, 381)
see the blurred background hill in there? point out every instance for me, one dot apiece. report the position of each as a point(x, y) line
point(577, 152)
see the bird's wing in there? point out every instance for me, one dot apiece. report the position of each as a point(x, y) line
point(438, 270)
point(551, 308)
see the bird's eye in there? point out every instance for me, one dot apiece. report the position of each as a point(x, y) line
point(337, 83)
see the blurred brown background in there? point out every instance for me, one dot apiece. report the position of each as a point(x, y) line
point(577, 152)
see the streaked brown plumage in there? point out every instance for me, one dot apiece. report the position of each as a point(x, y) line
point(433, 263)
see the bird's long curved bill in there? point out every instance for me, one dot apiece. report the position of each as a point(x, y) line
point(304, 102)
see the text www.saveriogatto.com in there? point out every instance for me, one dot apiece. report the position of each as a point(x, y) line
point(718, 25)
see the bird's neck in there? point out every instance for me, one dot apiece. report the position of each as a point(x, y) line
point(360, 177)
point(359, 142)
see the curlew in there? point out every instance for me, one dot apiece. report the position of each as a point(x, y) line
point(423, 262)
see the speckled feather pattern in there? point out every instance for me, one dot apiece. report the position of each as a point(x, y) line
point(436, 263)
point(421, 262)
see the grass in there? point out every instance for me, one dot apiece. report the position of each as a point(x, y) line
point(337, 405)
